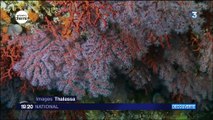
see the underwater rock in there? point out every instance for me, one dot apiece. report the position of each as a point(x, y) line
point(14, 29)
point(3, 5)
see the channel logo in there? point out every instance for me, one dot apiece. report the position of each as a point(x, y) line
point(21, 17)
point(183, 106)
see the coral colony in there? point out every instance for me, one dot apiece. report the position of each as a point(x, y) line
point(76, 46)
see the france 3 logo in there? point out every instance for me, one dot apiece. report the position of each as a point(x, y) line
point(194, 14)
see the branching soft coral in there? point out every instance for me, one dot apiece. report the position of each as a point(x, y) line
point(206, 53)
point(4, 16)
point(186, 74)
point(10, 54)
point(71, 66)
point(75, 16)
point(78, 53)
point(152, 21)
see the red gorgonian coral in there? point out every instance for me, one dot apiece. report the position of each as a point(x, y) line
point(76, 16)
point(77, 49)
